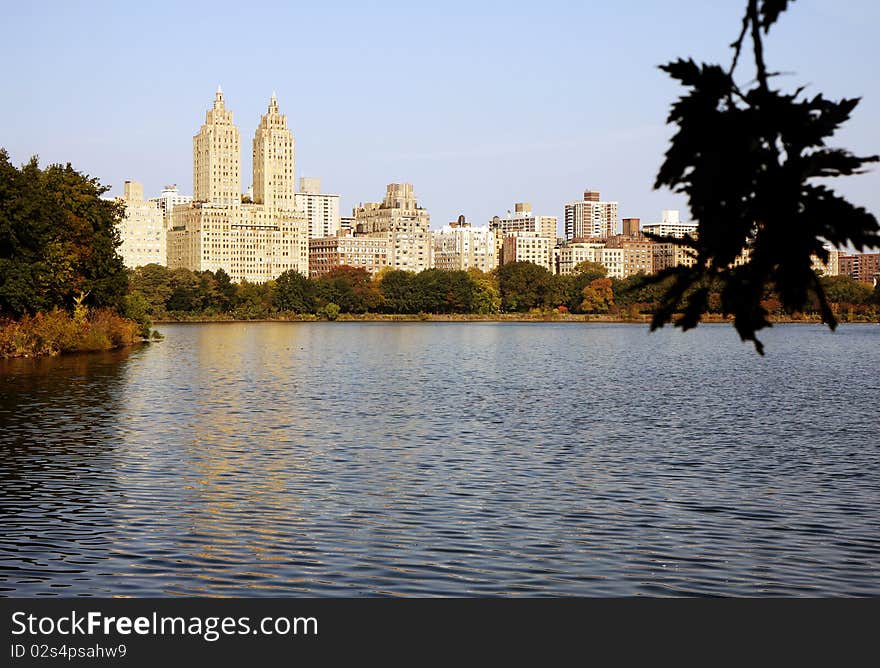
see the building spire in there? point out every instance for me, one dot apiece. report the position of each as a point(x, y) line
point(273, 103)
point(218, 98)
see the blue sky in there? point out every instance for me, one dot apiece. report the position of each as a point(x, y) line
point(479, 104)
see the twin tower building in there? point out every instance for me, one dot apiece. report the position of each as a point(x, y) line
point(255, 240)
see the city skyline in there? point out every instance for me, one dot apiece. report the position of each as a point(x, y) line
point(449, 100)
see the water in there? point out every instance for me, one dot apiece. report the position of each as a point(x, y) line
point(417, 459)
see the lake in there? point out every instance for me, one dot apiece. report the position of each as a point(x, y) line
point(445, 459)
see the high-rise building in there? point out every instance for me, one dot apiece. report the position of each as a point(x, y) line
point(217, 157)
point(274, 182)
point(670, 225)
point(406, 224)
point(168, 199)
point(460, 246)
point(523, 220)
point(590, 217)
point(321, 209)
point(254, 241)
point(142, 229)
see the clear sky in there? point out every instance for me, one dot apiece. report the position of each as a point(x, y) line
point(479, 104)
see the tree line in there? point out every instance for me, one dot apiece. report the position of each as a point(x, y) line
point(158, 293)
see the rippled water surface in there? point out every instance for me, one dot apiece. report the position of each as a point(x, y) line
point(416, 459)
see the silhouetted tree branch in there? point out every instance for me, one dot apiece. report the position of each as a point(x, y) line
point(747, 162)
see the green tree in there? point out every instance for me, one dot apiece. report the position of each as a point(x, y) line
point(397, 289)
point(350, 288)
point(186, 294)
point(153, 281)
point(748, 161)
point(58, 240)
point(294, 292)
point(845, 290)
point(254, 301)
point(226, 291)
point(439, 291)
point(523, 286)
point(487, 294)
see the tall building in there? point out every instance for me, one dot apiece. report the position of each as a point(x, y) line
point(460, 246)
point(406, 224)
point(142, 229)
point(523, 220)
point(274, 182)
point(168, 199)
point(590, 217)
point(254, 241)
point(217, 157)
point(321, 209)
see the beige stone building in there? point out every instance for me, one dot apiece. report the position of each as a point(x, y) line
point(321, 209)
point(254, 241)
point(524, 220)
point(528, 247)
point(570, 255)
point(406, 224)
point(142, 229)
point(636, 256)
point(168, 199)
point(460, 246)
point(368, 251)
point(590, 217)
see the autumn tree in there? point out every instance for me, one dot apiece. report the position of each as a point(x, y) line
point(598, 296)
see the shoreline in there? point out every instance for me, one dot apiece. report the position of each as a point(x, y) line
point(511, 317)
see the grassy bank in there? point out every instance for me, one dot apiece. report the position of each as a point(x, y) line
point(59, 332)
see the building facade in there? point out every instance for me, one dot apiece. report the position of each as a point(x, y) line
point(321, 209)
point(590, 217)
point(863, 267)
point(142, 229)
point(528, 247)
point(523, 220)
point(169, 199)
point(367, 251)
point(459, 246)
point(254, 241)
point(406, 224)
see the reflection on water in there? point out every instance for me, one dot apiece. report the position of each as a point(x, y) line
point(421, 459)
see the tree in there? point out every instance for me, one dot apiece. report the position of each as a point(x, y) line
point(58, 240)
point(590, 270)
point(396, 287)
point(748, 161)
point(523, 285)
point(294, 292)
point(350, 288)
point(845, 290)
point(598, 297)
point(487, 294)
point(440, 291)
point(153, 281)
